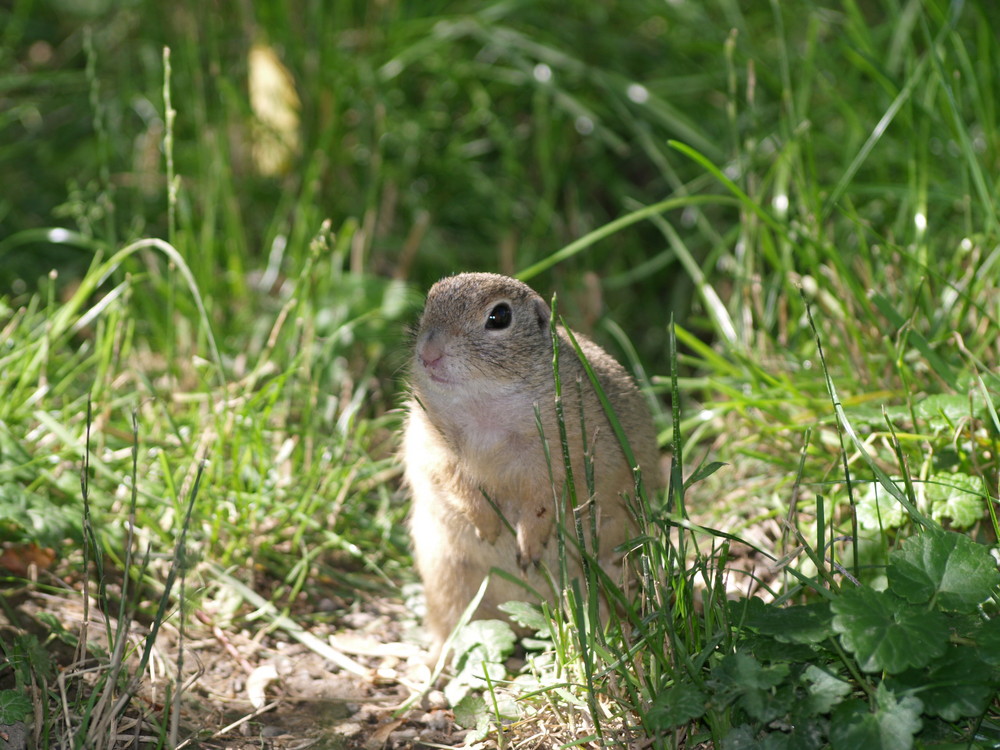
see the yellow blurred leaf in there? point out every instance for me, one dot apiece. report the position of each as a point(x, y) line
point(275, 104)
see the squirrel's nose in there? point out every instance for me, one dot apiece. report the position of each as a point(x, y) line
point(430, 353)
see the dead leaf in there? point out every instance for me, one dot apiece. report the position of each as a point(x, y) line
point(18, 558)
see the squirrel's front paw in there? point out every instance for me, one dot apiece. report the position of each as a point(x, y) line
point(533, 532)
point(483, 516)
point(487, 527)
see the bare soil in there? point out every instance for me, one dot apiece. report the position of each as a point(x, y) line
point(240, 688)
point(353, 677)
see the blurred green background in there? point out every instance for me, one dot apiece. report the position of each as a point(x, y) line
point(325, 162)
point(487, 135)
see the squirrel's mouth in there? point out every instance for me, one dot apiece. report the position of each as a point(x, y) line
point(438, 377)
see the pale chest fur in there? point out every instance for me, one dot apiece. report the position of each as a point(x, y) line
point(494, 441)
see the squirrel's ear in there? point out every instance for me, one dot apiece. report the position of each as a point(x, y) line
point(542, 313)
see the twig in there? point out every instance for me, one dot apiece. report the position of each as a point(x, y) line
point(233, 726)
point(296, 631)
point(223, 639)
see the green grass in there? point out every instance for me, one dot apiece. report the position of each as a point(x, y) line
point(810, 193)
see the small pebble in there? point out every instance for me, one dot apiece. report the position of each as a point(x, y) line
point(437, 721)
point(404, 738)
point(357, 620)
point(436, 699)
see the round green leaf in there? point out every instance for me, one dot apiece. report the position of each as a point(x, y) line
point(945, 568)
point(480, 650)
point(957, 497)
point(885, 633)
point(987, 637)
point(943, 409)
point(527, 614)
point(878, 510)
point(960, 684)
point(743, 672)
point(14, 706)
point(472, 713)
point(676, 706)
point(754, 685)
point(807, 623)
point(825, 690)
point(891, 727)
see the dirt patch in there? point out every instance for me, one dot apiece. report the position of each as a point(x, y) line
point(240, 689)
point(331, 675)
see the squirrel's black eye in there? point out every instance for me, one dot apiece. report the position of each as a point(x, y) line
point(499, 317)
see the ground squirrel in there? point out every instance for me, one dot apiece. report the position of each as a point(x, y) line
point(472, 448)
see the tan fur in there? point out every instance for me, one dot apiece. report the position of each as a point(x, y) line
point(471, 431)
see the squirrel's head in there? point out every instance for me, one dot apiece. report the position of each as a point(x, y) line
point(481, 330)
